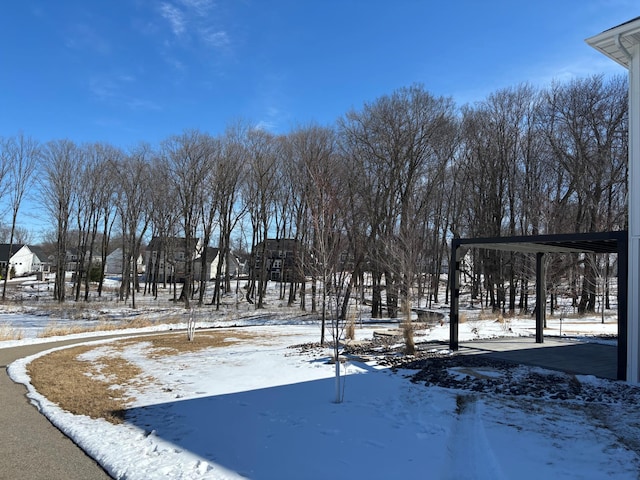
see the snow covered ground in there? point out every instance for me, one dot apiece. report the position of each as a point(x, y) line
point(260, 409)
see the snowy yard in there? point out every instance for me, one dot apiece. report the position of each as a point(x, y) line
point(260, 409)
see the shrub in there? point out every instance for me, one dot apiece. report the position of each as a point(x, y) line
point(95, 272)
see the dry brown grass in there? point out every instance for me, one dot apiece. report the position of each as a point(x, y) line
point(177, 343)
point(7, 332)
point(54, 329)
point(350, 330)
point(487, 314)
point(95, 388)
point(76, 387)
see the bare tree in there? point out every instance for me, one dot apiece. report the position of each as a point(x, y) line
point(188, 159)
point(585, 125)
point(21, 154)
point(106, 156)
point(230, 174)
point(396, 143)
point(259, 193)
point(164, 220)
point(208, 206)
point(58, 192)
point(325, 187)
point(309, 155)
point(134, 212)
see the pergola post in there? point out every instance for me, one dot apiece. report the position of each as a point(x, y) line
point(541, 297)
point(454, 285)
point(622, 44)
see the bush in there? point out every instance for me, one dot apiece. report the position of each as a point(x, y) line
point(95, 272)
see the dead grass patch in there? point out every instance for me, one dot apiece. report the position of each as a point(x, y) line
point(488, 314)
point(54, 329)
point(96, 388)
point(177, 343)
point(137, 322)
point(84, 388)
point(350, 330)
point(7, 332)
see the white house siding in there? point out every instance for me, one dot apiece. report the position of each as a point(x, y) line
point(22, 261)
point(113, 264)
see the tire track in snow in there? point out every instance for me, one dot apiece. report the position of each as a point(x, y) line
point(468, 452)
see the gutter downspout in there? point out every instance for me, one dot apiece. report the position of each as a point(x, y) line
point(622, 47)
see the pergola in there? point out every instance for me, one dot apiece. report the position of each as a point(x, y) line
point(622, 45)
point(540, 245)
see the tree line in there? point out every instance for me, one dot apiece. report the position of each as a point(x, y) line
point(385, 187)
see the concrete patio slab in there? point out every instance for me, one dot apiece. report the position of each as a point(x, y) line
point(561, 354)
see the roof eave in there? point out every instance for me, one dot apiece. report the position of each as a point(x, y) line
point(607, 42)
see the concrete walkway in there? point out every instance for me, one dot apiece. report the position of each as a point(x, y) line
point(31, 448)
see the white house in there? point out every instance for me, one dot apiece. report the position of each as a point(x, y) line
point(113, 263)
point(21, 261)
point(213, 258)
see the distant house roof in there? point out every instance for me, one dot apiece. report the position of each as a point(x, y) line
point(212, 253)
point(281, 244)
point(4, 250)
point(40, 253)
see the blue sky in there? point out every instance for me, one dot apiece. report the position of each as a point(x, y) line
point(125, 71)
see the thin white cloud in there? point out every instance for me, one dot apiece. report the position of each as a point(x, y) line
point(126, 78)
point(581, 66)
point(103, 88)
point(111, 90)
point(266, 126)
point(215, 38)
point(200, 7)
point(142, 104)
point(85, 37)
point(175, 17)
point(175, 63)
point(193, 20)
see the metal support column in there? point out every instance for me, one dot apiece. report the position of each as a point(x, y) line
point(454, 285)
point(541, 297)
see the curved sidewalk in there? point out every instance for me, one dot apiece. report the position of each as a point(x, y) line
point(31, 448)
